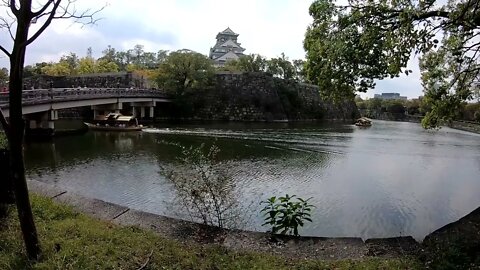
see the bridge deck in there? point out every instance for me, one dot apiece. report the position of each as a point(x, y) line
point(60, 98)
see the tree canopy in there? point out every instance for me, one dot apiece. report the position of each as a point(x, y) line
point(185, 69)
point(280, 66)
point(350, 46)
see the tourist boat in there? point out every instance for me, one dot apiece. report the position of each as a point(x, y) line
point(363, 122)
point(115, 122)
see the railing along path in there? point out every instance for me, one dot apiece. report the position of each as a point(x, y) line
point(55, 95)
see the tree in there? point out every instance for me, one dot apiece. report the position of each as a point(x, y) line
point(185, 69)
point(61, 68)
point(248, 63)
point(71, 60)
point(86, 65)
point(349, 47)
point(299, 66)
point(36, 69)
point(20, 15)
point(281, 67)
point(104, 66)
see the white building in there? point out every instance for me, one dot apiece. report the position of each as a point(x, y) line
point(227, 48)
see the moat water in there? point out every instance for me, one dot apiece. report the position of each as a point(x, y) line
point(392, 179)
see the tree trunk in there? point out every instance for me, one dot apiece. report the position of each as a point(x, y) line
point(15, 140)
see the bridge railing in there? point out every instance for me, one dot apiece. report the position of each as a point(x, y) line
point(41, 96)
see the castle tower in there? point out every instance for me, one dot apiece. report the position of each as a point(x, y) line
point(227, 48)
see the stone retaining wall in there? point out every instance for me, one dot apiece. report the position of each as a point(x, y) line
point(101, 80)
point(262, 97)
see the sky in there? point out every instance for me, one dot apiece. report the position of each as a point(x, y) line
point(265, 27)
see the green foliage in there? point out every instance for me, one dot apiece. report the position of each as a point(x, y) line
point(471, 112)
point(476, 116)
point(248, 63)
point(280, 67)
point(33, 70)
point(72, 65)
point(453, 250)
point(4, 77)
point(349, 47)
point(413, 106)
point(204, 187)
point(394, 106)
point(185, 69)
point(284, 215)
point(135, 59)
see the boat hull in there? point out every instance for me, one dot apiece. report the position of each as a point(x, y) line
point(110, 128)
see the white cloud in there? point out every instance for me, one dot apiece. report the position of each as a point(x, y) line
point(267, 27)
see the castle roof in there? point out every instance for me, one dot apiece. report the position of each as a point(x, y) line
point(228, 56)
point(230, 43)
point(228, 31)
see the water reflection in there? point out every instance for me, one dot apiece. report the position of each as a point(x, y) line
point(391, 179)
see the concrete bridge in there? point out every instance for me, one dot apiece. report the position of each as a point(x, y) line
point(40, 107)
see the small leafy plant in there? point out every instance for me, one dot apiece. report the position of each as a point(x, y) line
point(285, 215)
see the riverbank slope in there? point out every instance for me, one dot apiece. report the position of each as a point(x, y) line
point(71, 240)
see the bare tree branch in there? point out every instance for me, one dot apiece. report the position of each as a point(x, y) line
point(8, 25)
point(45, 24)
point(42, 10)
point(64, 12)
point(5, 51)
point(13, 8)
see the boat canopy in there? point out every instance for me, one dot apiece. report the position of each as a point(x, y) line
point(117, 117)
point(124, 118)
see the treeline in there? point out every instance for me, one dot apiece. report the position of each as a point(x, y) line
point(136, 59)
point(415, 107)
point(280, 66)
point(183, 68)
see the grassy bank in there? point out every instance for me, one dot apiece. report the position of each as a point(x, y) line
point(74, 241)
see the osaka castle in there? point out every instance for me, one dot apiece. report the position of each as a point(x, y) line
point(227, 48)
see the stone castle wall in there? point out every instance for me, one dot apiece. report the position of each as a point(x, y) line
point(102, 80)
point(262, 97)
point(234, 96)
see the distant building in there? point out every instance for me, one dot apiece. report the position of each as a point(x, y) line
point(227, 48)
point(389, 96)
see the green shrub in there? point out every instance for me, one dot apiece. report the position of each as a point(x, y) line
point(285, 215)
point(476, 116)
point(205, 188)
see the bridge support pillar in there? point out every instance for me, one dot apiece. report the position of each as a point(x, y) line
point(151, 112)
point(41, 125)
point(143, 109)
